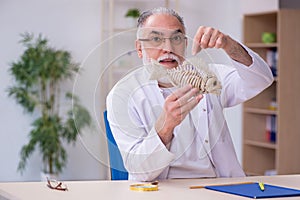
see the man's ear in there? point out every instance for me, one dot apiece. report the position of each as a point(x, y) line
point(138, 47)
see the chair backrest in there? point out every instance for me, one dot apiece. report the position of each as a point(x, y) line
point(117, 169)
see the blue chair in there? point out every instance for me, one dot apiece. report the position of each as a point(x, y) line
point(117, 169)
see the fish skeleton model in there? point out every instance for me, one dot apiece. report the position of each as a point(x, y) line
point(193, 71)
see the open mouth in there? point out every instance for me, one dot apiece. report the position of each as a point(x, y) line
point(168, 60)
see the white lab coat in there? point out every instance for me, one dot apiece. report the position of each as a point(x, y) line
point(135, 103)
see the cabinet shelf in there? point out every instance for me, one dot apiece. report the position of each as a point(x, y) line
point(267, 145)
point(260, 111)
point(261, 45)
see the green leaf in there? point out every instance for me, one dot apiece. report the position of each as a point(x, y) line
point(78, 118)
point(24, 97)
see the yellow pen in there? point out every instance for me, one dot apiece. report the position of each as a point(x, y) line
point(261, 186)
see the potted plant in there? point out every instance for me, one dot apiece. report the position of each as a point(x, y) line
point(132, 14)
point(39, 76)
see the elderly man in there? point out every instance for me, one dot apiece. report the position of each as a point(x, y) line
point(166, 132)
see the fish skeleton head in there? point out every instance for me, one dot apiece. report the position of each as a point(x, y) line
point(213, 85)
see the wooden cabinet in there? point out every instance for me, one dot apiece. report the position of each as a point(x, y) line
point(260, 154)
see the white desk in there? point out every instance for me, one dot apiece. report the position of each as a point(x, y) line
point(169, 189)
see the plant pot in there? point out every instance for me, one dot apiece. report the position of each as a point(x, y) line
point(45, 175)
point(131, 22)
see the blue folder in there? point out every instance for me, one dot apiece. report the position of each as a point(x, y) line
point(252, 190)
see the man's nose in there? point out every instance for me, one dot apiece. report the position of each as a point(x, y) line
point(167, 45)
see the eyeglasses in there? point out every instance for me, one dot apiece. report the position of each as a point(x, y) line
point(158, 40)
point(56, 185)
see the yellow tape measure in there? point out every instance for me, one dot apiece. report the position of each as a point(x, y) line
point(144, 187)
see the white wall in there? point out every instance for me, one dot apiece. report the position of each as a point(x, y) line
point(76, 26)
point(68, 24)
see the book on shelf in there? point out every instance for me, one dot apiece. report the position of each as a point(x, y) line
point(271, 128)
point(270, 172)
point(271, 59)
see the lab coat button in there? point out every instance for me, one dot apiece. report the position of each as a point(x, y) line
point(204, 110)
point(206, 141)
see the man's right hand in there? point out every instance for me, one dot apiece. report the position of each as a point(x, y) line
point(176, 108)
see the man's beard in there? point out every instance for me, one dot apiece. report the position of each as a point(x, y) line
point(147, 61)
